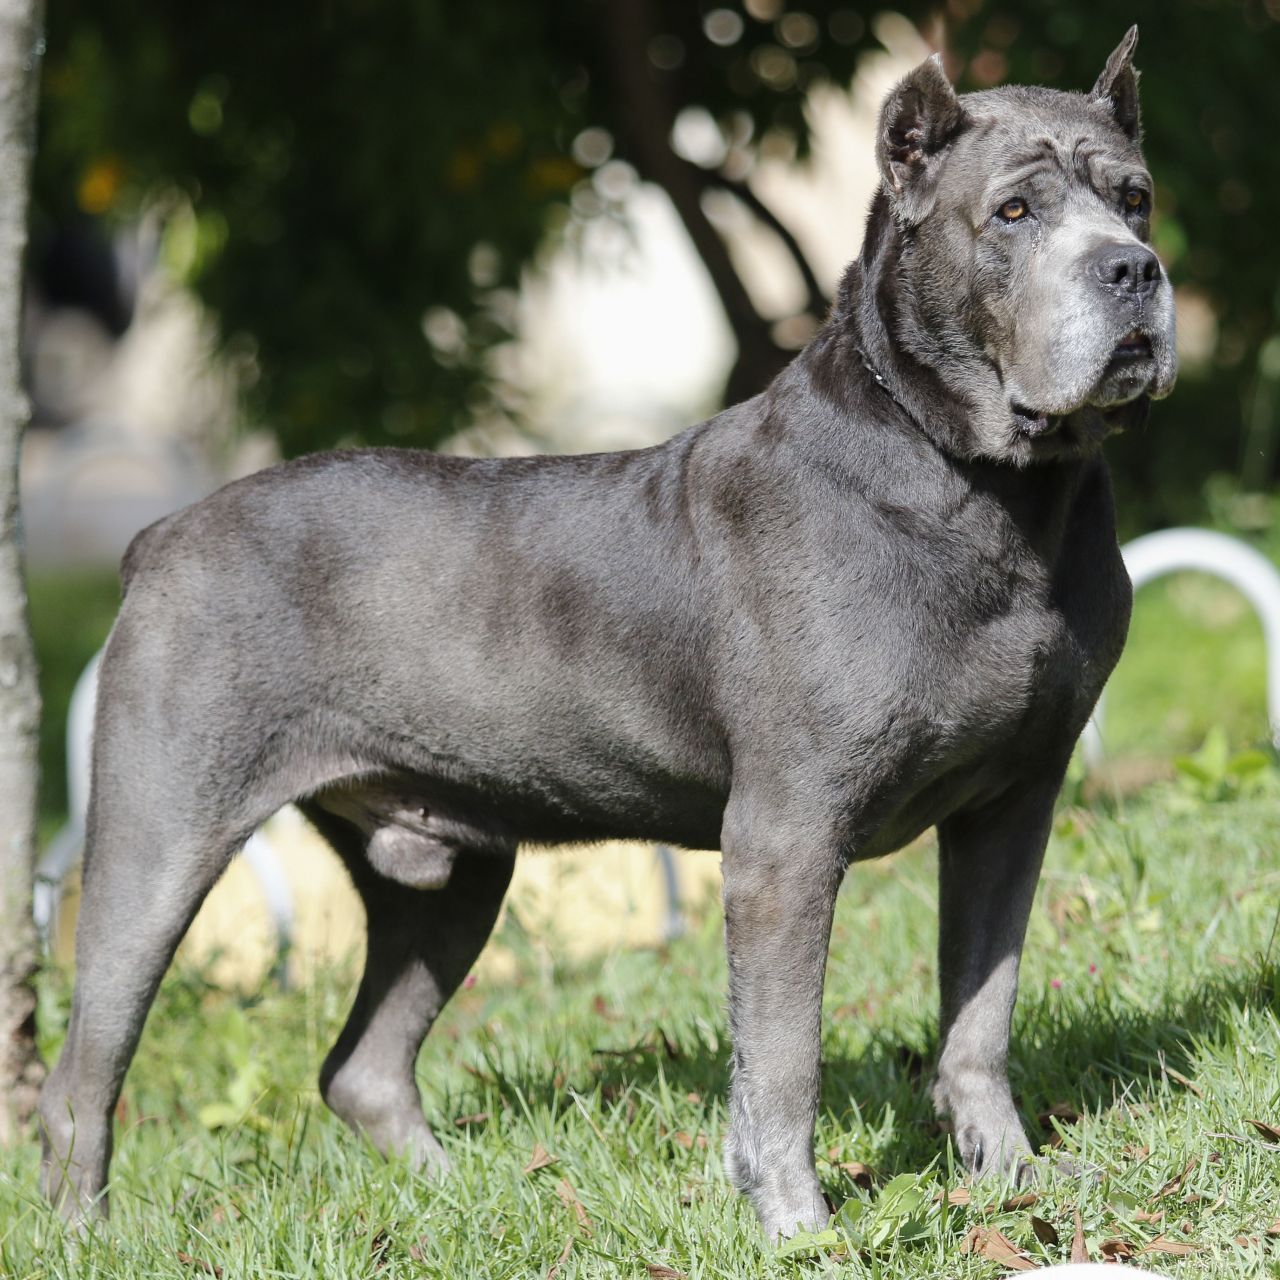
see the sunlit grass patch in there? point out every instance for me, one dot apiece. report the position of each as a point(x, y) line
point(583, 1105)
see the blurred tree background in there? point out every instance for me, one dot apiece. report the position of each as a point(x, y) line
point(353, 189)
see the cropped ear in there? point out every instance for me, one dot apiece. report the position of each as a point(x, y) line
point(1117, 87)
point(919, 118)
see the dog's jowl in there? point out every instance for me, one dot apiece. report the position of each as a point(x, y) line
point(881, 596)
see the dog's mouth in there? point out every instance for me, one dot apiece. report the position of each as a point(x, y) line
point(1133, 346)
point(1031, 424)
point(1130, 371)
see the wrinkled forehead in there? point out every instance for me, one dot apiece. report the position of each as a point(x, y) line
point(1021, 136)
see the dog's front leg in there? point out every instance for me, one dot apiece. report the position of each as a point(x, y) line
point(779, 895)
point(988, 865)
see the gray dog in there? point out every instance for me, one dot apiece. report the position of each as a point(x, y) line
point(881, 596)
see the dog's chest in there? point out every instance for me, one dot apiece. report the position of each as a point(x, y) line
point(1012, 660)
point(1008, 678)
point(1020, 628)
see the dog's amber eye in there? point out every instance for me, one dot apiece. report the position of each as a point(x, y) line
point(1134, 199)
point(1012, 210)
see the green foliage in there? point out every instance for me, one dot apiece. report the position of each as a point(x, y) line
point(354, 189)
point(247, 1086)
point(905, 1211)
point(329, 177)
point(1215, 773)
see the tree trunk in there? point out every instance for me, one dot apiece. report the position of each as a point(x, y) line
point(21, 44)
point(651, 116)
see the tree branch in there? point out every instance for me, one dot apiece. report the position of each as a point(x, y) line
point(647, 117)
point(818, 302)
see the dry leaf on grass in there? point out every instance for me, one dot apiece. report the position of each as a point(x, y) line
point(1148, 1215)
point(1135, 1152)
point(1023, 1200)
point(995, 1246)
point(1116, 1249)
point(861, 1175)
point(639, 1050)
point(1046, 1232)
point(1274, 1229)
point(657, 1272)
point(554, 1269)
point(478, 1117)
point(954, 1196)
point(569, 1198)
point(1268, 1131)
point(199, 1264)
point(1178, 1078)
point(689, 1143)
point(1079, 1250)
point(1162, 1244)
point(1175, 1183)
point(1063, 1112)
point(539, 1159)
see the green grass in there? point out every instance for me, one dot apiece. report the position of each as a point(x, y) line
point(1150, 954)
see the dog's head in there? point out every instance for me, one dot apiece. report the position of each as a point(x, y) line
point(1026, 216)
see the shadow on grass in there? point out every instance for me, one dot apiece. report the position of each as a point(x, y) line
point(1091, 1055)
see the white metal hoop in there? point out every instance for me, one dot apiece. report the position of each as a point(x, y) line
point(1201, 550)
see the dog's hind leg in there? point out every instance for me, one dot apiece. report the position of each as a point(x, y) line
point(421, 943)
point(148, 866)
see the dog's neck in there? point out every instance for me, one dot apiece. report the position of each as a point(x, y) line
point(875, 352)
point(871, 319)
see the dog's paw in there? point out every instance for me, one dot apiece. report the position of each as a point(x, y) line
point(998, 1150)
point(785, 1216)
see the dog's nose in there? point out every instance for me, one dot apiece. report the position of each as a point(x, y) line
point(1126, 268)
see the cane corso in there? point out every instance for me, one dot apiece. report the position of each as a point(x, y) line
point(882, 595)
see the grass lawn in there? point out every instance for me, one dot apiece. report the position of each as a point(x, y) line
point(1148, 1008)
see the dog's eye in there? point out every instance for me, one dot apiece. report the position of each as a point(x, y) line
point(1134, 199)
point(1014, 209)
